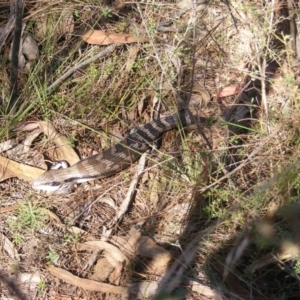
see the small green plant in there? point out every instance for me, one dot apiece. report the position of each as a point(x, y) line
point(29, 215)
point(219, 198)
point(58, 102)
point(72, 237)
point(41, 286)
point(15, 267)
point(151, 29)
point(106, 12)
point(71, 140)
point(126, 176)
point(52, 255)
point(18, 238)
point(297, 266)
point(123, 26)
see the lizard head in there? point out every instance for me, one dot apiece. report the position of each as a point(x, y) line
point(48, 182)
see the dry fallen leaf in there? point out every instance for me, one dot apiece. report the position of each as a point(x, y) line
point(135, 244)
point(115, 276)
point(29, 139)
point(228, 91)
point(160, 257)
point(9, 247)
point(111, 252)
point(102, 270)
point(63, 148)
point(9, 208)
point(133, 52)
point(29, 52)
point(87, 284)
point(27, 126)
point(204, 290)
point(99, 37)
point(142, 289)
point(10, 168)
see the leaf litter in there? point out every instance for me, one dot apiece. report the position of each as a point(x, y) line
point(129, 242)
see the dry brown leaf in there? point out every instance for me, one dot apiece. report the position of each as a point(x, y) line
point(99, 37)
point(133, 52)
point(64, 150)
point(102, 270)
point(160, 257)
point(228, 91)
point(30, 47)
point(9, 208)
point(8, 246)
point(142, 289)
point(115, 276)
point(29, 139)
point(10, 168)
point(185, 4)
point(55, 296)
point(112, 253)
point(51, 215)
point(27, 126)
point(29, 52)
point(203, 290)
point(5, 172)
point(135, 244)
point(87, 284)
point(128, 243)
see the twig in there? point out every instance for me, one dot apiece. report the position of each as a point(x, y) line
point(132, 188)
point(103, 53)
point(15, 56)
